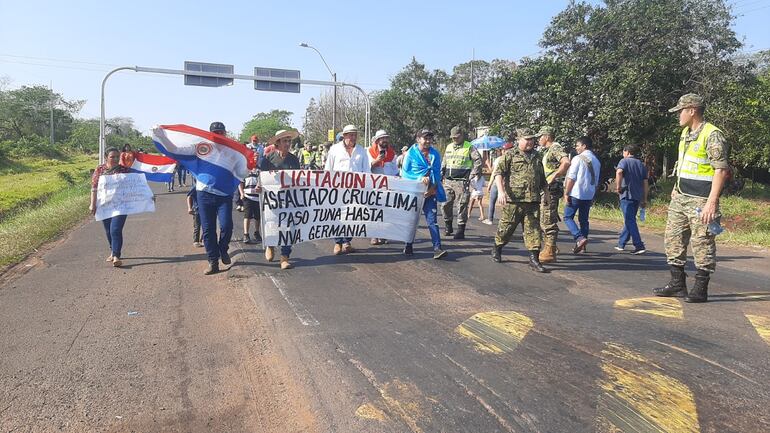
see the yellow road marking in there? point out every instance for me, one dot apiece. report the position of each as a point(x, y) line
point(664, 307)
point(402, 399)
point(496, 331)
point(639, 397)
point(762, 325)
point(369, 411)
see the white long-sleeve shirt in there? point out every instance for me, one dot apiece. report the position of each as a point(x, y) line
point(339, 159)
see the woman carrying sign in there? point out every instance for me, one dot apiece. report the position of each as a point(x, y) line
point(113, 227)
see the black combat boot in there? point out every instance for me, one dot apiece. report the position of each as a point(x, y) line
point(534, 262)
point(677, 287)
point(212, 269)
point(497, 252)
point(460, 232)
point(448, 230)
point(699, 292)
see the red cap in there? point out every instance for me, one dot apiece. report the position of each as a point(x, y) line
point(508, 145)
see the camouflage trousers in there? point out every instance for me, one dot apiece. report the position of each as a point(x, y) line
point(549, 218)
point(453, 188)
point(525, 214)
point(683, 227)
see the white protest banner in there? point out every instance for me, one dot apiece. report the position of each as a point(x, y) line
point(123, 194)
point(305, 205)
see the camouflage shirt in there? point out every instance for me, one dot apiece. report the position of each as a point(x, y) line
point(552, 157)
point(523, 176)
point(716, 146)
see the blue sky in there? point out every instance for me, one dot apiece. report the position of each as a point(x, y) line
point(73, 44)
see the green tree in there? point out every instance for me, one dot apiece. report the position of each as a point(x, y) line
point(25, 114)
point(265, 125)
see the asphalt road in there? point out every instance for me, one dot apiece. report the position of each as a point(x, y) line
point(374, 341)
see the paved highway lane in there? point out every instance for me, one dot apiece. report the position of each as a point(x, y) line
point(375, 342)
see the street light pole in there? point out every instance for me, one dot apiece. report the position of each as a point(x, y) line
point(334, 78)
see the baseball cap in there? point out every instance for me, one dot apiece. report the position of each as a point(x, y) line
point(689, 100)
point(525, 133)
point(546, 130)
point(217, 126)
point(425, 133)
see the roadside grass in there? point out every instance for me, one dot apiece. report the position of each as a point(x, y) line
point(746, 217)
point(31, 226)
point(29, 182)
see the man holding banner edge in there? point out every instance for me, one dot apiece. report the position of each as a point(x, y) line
point(423, 162)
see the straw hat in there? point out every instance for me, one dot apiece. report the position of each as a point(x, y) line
point(283, 133)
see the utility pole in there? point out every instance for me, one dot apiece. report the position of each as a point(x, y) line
point(473, 60)
point(50, 87)
point(334, 78)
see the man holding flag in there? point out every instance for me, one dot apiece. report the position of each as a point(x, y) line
point(218, 164)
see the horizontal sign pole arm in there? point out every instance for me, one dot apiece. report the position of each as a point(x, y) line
point(237, 76)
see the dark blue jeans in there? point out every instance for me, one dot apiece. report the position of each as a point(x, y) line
point(114, 229)
point(430, 210)
point(210, 208)
point(342, 240)
point(492, 201)
point(181, 174)
point(581, 208)
point(630, 229)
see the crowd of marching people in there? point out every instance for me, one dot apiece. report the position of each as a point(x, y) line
point(528, 175)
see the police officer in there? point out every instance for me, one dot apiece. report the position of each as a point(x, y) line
point(308, 156)
point(520, 179)
point(701, 172)
point(555, 166)
point(461, 162)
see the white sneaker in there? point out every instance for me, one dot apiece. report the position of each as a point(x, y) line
point(487, 222)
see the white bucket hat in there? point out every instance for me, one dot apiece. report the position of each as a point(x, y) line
point(379, 134)
point(349, 128)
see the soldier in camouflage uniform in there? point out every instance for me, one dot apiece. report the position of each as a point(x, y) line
point(701, 172)
point(555, 165)
point(461, 162)
point(521, 181)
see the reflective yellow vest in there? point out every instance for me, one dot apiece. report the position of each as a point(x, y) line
point(458, 160)
point(307, 157)
point(694, 170)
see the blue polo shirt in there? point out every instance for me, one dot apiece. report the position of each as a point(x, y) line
point(634, 174)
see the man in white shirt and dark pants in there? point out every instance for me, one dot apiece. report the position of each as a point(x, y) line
point(579, 191)
point(347, 156)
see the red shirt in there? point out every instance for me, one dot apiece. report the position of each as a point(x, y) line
point(102, 169)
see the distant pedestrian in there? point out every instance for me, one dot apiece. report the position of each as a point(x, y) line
point(701, 173)
point(347, 155)
point(127, 156)
point(477, 185)
point(632, 187)
point(555, 165)
point(520, 181)
point(249, 191)
point(423, 163)
point(257, 147)
point(181, 174)
point(192, 209)
point(400, 159)
point(461, 162)
point(113, 227)
point(492, 187)
point(170, 184)
point(281, 159)
point(580, 190)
